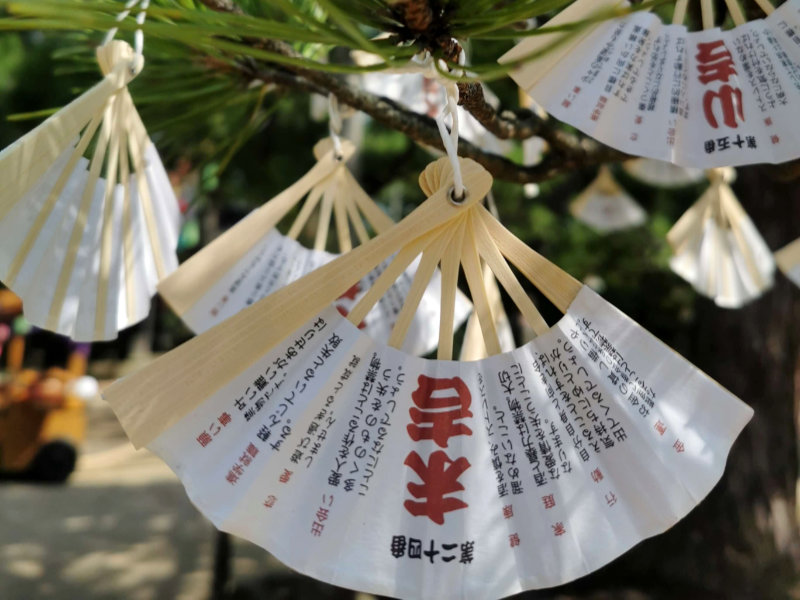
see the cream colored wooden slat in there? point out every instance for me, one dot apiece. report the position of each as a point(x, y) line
point(25, 161)
point(766, 6)
point(707, 12)
point(393, 270)
point(450, 267)
point(427, 265)
point(686, 227)
point(70, 254)
point(679, 14)
point(378, 219)
point(789, 256)
point(340, 216)
point(488, 250)
point(471, 263)
point(112, 164)
point(554, 46)
point(197, 275)
point(736, 215)
point(312, 200)
point(129, 256)
point(158, 396)
point(324, 216)
point(736, 12)
point(558, 286)
point(355, 217)
point(52, 197)
point(138, 141)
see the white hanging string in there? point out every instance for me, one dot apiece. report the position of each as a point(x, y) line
point(335, 125)
point(450, 138)
point(138, 39)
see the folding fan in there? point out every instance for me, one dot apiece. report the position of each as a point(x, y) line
point(85, 252)
point(788, 259)
point(718, 249)
point(253, 259)
point(662, 174)
point(361, 465)
point(606, 206)
point(708, 98)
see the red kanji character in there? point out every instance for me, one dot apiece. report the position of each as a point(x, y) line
point(224, 419)
point(775, 139)
point(611, 499)
point(316, 529)
point(442, 422)
point(231, 477)
point(731, 100)
point(508, 511)
point(285, 476)
point(439, 477)
point(322, 514)
point(558, 529)
point(270, 501)
point(679, 447)
point(549, 501)
point(716, 62)
point(597, 476)
point(660, 427)
point(204, 439)
point(251, 449)
point(513, 540)
point(768, 121)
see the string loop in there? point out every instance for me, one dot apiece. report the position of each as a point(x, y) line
point(138, 36)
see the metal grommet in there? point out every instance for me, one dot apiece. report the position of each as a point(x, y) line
point(452, 196)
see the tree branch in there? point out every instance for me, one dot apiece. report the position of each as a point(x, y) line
point(568, 152)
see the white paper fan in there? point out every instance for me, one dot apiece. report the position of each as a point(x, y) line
point(606, 206)
point(253, 259)
point(703, 99)
point(662, 174)
point(718, 249)
point(788, 260)
point(366, 467)
point(85, 252)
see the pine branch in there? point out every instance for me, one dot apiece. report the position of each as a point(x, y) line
point(569, 152)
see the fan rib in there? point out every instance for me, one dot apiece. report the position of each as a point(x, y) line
point(450, 268)
point(78, 228)
point(385, 280)
point(488, 250)
point(470, 261)
point(355, 217)
point(558, 286)
point(340, 216)
point(427, 266)
point(324, 216)
point(312, 199)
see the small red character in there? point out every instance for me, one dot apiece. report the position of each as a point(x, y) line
point(224, 419)
point(559, 529)
point(204, 439)
point(508, 511)
point(611, 499)
point(660, 427)
point(730, 100)
point(513, 540)
point(285, 476)
point(270, 501)
point(597, 476)
point(549, 501)
point(679, 447)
